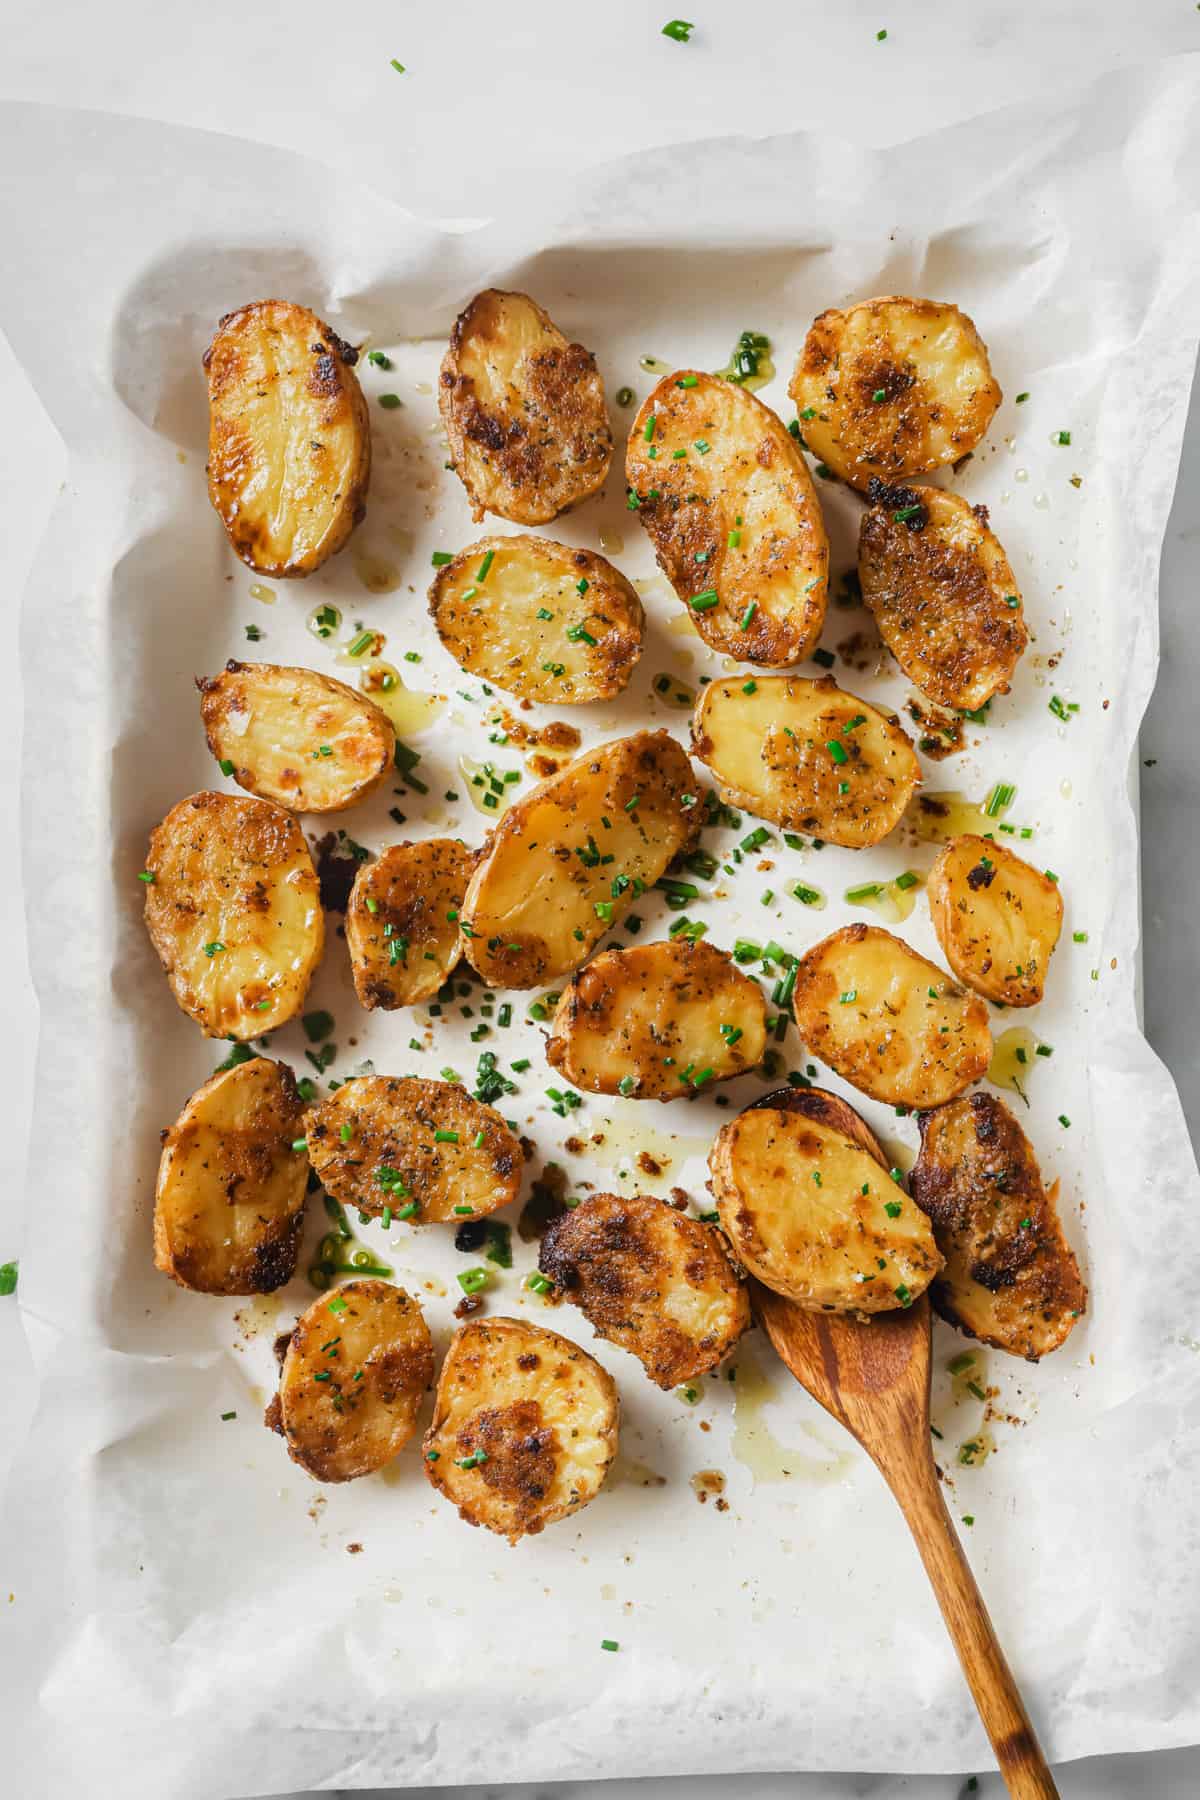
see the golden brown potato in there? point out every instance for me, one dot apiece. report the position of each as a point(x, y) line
point(524, 411)
point(566, 862)
point(289, 440)
point(650, 1279)
point(891, 1023)
point(997, 919)
point(1010, 1278)
point(296, 737)
point(357, 1365)
point(524, 1427)
point(229, 1203)
point(419, 1150)
point(728, 501)
point(893, 387)
point(657, 1021)
point(402, 921)
point(807, 756)
point(542, 621)
point(234, 911)
point(943, 593)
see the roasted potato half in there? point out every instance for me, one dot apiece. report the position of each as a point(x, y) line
point(296, 737)
point(891, 1023)
point(657, 1021)
point(1010, 1277)
point(355, 1370)
point(943, 593)
point(566, 862)
point(289, 440)
point(650, 1279)
point(402, 921)
point(524, 411)
point(229, 1203)
point(542, 621)
point(997, 919)
point(234, 910)
point(728, 501)
point(893, 387)
point(524, 1427)
point(807, 756)
point(395, 1143)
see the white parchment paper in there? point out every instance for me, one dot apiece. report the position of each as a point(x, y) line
point(184, 1617)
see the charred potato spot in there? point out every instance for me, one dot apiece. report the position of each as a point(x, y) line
point(524, 1427)
point(524, 411)
point(657, 1021)
point(402, 921)
point(807, 756)
point(891, 1023)
point(289, 447)
point(395, 1141)
point(234, 912)
point(997, 919)
point(1010, 1277)
point(729, 504)
point(893, 387)
point(229, 1202)
point(648, 1278)
point(296, 737)
point(542, 621)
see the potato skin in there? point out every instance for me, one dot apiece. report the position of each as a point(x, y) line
point(940, 595)
point(289, 443)
point(1011, 1279)
point(997, 919)
point(886, 1039)
point(627, 1012)
point(523, 409)
point(413, 888)
point(237, 874)
point(932, 368)
point(276, 725)
point(752, 483)
point(542, 1413)
point(768, 751)
point(229, 1201)
point(650, 1279)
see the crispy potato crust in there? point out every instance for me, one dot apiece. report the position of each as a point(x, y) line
point(1010, 1278)
point(533, 1417)
point(229, 1202)
point(524, 411)
point(234, 912)
point(739, 518)
point(294, 736)
point(289, 441)
point(403, 941)
point(997, 919)
point(769, 750)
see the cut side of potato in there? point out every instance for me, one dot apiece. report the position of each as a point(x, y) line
point(289, 439)
point(234, 912)
point(524, 1427)
point(997, 919)
point(423, 1151)
point(728, 501)
point(943, 593)
point(658, 1021)
point(545, 622)
point(229, 1203)
point(807, 756)
point(566, 862)
point(296, 737)
point(357, 1366)
point(1011, 1278)
point(891, 1023)
point(402, 921)
point(650, 1279)
point(893, 387)
point(524, 411)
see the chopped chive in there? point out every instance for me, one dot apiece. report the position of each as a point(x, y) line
point(905, 881)
point(445, 1137)
point(836, 749)
point(687, 381)
point(1062, 437)
point(681, 30)
point(703, 602)
point(147, 875)
point(485, 565)
point(747, 616)
point(389, 402)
